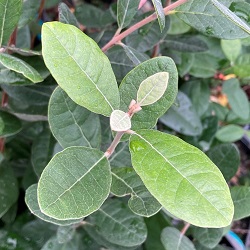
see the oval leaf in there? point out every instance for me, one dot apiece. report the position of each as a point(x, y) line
point(178, 172)
point(74, 184)
point(82, 70)
point(120, 121)
point(152, 88)
point(32, 203)
point(230, 133)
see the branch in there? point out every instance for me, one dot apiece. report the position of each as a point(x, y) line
point(140, 24)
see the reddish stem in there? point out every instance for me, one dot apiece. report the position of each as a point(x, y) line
point(40, 11)
point(185, 228)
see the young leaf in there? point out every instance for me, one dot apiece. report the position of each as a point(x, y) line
point(82, 70)
point(32, 203)
point(230, 133)
point(213, 18)
point(160, 13)
point(148, 116)
point(125, 181)
point(74, 184)
point(181, 171)
point(18, 65)
point(152, 88)
point(71, 124)
point(10, 11)
point(120, 121)
point(126, 10)
point(65, 15)
point(231, 49)
point(172, 239)
point(117, 224)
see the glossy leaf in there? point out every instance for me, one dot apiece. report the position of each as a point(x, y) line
point(227, 158)
point(10, 11)
point(242, 65)
point(231, 49)
point(19, 66)
point(32, 203)
point(148, 116)
point(118, 225)
point(9, 124)
point(86, 77)
point(9, 189)
point(172, 239)
point(182, 117)
point(237, 98)
point(181, 171)
point(126, 10)
point(125, 181)
point(65, 15)
point(160, 13)
point(120, 121)
point(74, 184)
point(241, 196)
point(230, 133)
point(213, 18)
point(71, 124)
point(152, 88)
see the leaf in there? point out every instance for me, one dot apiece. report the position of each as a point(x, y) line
point(227, 158)
point(172, 239)
point(231, 49)
point(10, 11)
point(237, 98)
point(230, 133)
point(121, 156)
point(76, 174)
point(32, 203)
point(9, 189)
point(152, 88)
point(208, 237)
point(177, 26)
point(148, 116)
point(71, 124)
point(120, 121)
point(213, 18)
point(65, 234)
point(65, 15)
point(118, 225)
point(241, 67)
point(126, 10)
point(241, 196)
point(180, 171)
point(183, 117)
point(125, 181)
point(20, 66)
point(9, 124)
point(160, 13)
point(82, 71)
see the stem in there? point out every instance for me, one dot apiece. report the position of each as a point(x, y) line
point(114, 143)
point(168, 2)
point(40, 11)
point(138, 25)
point(185, 228)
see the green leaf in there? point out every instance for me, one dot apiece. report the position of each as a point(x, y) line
point(121, 156)
point(125, 181)
point(18, 65)
point(71, 124)
point(82, 71)
point(10, 11)
point(42, 150)
point(148, 116)
point(231, 49)
point(65, 15)
point(208, 237)
point(227, 158)
point(76, 174)
point(230, 133)
point(237, 98)
point(65, 234)
point(241, 196)
point(241, 9)
point(32, 203)
point(126, 10)
point(182, 117)
point(9, 189)
point(120, 121)
point(181, 171)
point(177, 26)
point(152, 88)
point(242, 66)
point(9, 124)
point(117, 224)
point(172, 239)
point(160, 13)
point(213, 18)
